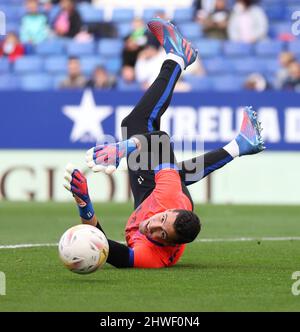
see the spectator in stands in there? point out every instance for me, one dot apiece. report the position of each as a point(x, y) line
point(134, 43)
point(248, 22)
point(11, 47)
point(285, 59)
point(215, 23)
point(34, 28)
point(101, 79)
point(148, 65)
point(75, 78)
point(203, 8)
point(256, 82)
point(293, 80)
point(68, 21)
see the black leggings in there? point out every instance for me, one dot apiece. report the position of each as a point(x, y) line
point(145, 118)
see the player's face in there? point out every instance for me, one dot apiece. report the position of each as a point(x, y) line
point(160, 227)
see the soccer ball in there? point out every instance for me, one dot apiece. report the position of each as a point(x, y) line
point(83, 249)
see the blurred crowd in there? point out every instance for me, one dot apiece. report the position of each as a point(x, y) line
point(242, 21)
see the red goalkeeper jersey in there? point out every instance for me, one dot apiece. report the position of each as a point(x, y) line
point(167, 194)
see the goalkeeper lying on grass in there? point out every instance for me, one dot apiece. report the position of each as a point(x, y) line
point(163, 220)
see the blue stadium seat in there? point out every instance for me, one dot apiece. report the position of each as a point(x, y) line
point(269, 47)
point(124, 29)
point(246, 65)
point(13, 13)
point(218, 65)
point(277, 29)
point(294, 47)
point(226, 83)
point(237, 49)
point(191, 30)
point(57, 79)
point(198, 83)
point(52, 14)
point(56, 64)
point(110, 47)
point(36, 82)
point(289, 10)
point(271, 65)
point(4, 65)
point(125, 86)
point(113, 65)
point(9, 82)
point(122, 15)
point(51, 47)
point(90, 14)
point(28, 64)
point(208, 48)
point(150, 13)
point(89, 63)
point(78, 49)
point(275, 12)
point(12, 27)
point(183, 15)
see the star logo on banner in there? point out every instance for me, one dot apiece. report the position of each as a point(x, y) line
point(87, 118)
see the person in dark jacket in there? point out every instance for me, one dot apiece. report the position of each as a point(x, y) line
point(68, 21)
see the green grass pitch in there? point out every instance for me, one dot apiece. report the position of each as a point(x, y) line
point(211, 276)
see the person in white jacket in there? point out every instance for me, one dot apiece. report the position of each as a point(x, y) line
point(248, 22)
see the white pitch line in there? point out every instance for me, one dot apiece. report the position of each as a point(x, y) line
point(212, 240)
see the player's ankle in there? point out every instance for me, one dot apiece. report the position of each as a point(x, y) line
point(232, 148)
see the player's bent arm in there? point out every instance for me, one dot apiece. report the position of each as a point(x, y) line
point(119, 255)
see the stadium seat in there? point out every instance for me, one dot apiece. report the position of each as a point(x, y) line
point(113, 65)
point(246, 65)
point(13, 13)
point(51, 47)
point(218, 65)
point(275, 12)
point(28, 64)
point(56, 64)
point(90, 14)
point(183, 15)
point(125, 86)
point(237, 49)
point(198, 83)
point(208, 48)
point(12, 27)
point(124, 29)
point(226, 83)
point(191, 30)
point(289, 10)
point(269, 47)
point(78, 49)
point(294, 47)
point(36, 82)
point(277, 29)
point(4, 65)
point(57, 79)
point(8, 82)
point(110, 47)
point(89, 63)
point(149, 13)
point(52, 14)
point(122, 15)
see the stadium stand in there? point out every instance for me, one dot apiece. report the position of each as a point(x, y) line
point(226, 62)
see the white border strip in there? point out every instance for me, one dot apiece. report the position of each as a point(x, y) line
point(212, 240)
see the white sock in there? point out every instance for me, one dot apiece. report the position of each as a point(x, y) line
point(176, 58)
point(232, 148)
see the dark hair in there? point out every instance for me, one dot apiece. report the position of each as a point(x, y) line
point(187, 226)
